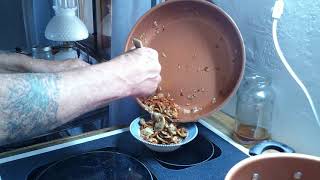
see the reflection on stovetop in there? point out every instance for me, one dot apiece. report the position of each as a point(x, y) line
point(184, 157)
point(35, 174)
point(97, 165)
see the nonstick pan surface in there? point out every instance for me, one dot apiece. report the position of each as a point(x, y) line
point(201, 52)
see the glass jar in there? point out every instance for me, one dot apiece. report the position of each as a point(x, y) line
point(254, 110)
point(42, 53)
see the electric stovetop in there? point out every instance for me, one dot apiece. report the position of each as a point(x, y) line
point(117, 155)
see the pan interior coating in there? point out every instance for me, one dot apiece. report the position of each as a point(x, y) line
point(200, 50)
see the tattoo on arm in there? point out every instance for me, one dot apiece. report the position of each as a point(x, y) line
point(28, 105)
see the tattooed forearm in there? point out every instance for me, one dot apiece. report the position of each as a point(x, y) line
point(28, 105)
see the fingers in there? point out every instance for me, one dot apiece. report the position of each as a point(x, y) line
point(154, 85)
point(151, 52)
point(149, 87)
point(143, 70)
point(144, 51)
point(158, 79)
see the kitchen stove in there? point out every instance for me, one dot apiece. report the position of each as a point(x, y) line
point(207, 157)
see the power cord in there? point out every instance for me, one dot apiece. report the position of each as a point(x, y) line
point(276, 14)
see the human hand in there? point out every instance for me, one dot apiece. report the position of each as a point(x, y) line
point(68, 64)
point(141, 70)
point(45, 66)
point(19, 63)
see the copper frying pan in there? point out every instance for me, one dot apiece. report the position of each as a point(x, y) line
point(201, 52)
point(276, 166)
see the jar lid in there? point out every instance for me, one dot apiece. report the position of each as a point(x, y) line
point(36, 49)
point(257, 78)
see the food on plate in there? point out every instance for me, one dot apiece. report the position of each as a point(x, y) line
point(159, 130)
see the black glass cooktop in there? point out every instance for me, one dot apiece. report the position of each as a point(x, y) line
point(189, 155)
point(208, 157)
point(89, 164)
point(97, 165)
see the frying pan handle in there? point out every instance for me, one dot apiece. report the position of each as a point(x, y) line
point(269, 144)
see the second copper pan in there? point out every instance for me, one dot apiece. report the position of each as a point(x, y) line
point(201, 52)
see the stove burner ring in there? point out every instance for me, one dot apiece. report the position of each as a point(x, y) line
point(197, 151)
point(97, 165)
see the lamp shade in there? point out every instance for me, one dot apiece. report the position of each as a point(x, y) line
point(66, 26)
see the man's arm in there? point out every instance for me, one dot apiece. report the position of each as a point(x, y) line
point(33, 103)
point(28, 105)
point(19, 63)
point(12, 63)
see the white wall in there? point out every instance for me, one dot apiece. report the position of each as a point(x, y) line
point(299, 36)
